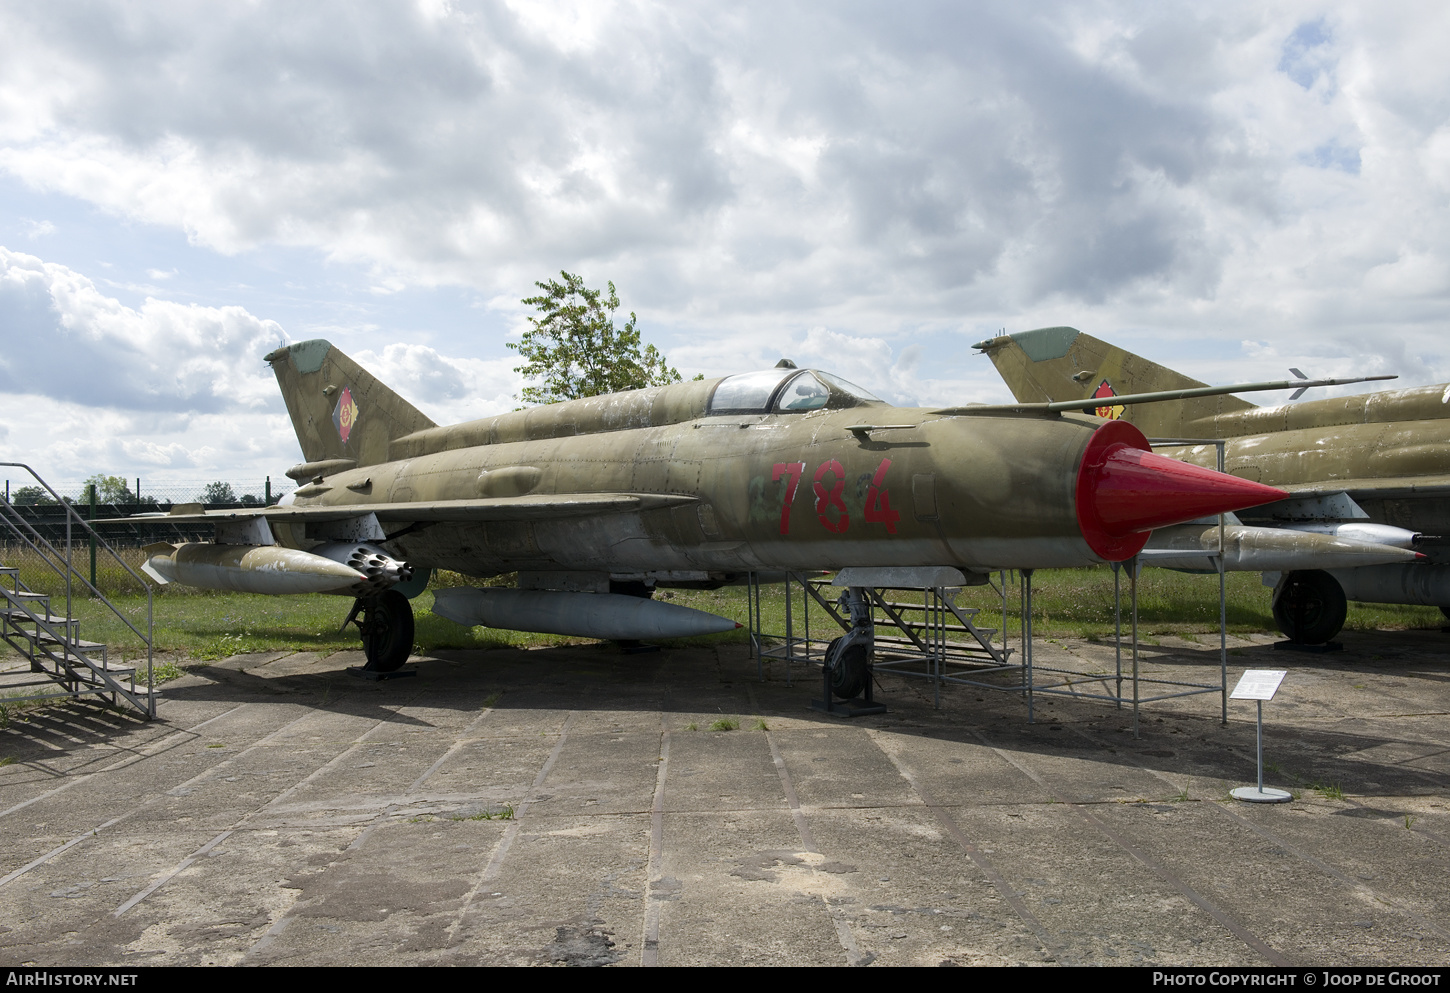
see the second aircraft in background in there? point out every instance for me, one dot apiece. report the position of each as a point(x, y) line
point(1368, 476)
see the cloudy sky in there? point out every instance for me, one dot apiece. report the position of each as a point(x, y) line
point(1230, 189)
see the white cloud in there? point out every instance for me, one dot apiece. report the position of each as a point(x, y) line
point(77, 344)
point(447, 389)
point(94, 386)
point(839, 181)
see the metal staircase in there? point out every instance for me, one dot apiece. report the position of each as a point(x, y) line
point(919, 631)
point(32, 624)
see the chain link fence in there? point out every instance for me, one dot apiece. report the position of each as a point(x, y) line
point(117, 496)
point(162, 494)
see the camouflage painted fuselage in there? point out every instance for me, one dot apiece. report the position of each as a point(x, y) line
point(754, 491)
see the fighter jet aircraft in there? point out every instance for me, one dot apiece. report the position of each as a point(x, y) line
point(1368, 476)
point(596, 502)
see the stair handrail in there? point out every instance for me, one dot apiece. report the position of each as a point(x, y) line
point(107, 676)
point(149, 638)
point(10, 509)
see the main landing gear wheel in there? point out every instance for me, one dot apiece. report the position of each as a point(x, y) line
point(386, 623)
point(1310, 607)
point(847, 665)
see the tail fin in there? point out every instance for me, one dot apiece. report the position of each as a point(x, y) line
point(338, 409)
point(1065, 364)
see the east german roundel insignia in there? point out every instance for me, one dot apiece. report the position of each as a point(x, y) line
point(344, 416)
point(1112, 412)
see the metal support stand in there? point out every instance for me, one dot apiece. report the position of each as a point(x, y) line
point(1118, 631)
point(378, 677)
point(1222, 604)
point(1027, 639)
point(1260, 685)
point(1260, 794)
point(1133, 588)
point(861, 706)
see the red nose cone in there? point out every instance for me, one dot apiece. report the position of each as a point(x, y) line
point(1124, 491)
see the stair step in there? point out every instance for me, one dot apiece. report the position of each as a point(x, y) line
point(917, 606)
point(21, 616)
point(84, 646)
point(75, 664)
point(117, 674)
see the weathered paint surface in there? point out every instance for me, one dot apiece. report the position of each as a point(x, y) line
point(756, 491)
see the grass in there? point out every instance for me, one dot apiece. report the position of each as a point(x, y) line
point(10, 760)
point(10, 707)
point(165, 671)
point(1069, 603)
point(506, 814)
point(692, 726)
point(759, 725)
point(1330, 791)
point(725, 724)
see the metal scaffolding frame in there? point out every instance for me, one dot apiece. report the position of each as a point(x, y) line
point(933, 649)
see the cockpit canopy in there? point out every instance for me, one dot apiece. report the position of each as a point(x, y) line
point(786, 391)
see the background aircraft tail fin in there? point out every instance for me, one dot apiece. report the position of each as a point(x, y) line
point(1051, 364)
point(338, 409)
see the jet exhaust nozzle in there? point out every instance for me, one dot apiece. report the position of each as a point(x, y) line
point(609, 616)
point(1125, 490)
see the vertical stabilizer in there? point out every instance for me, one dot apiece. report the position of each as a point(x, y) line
point(338, 409)
point(1064, 364)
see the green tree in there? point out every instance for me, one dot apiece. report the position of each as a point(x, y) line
point(574, 349)
point(218, 492)
point(109, 489)
point(31, 496)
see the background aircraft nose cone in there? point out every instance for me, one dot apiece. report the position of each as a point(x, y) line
point(1125, 491)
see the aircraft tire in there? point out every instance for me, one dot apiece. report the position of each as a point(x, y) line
point(849, 670)
point(387, 631)
point(1310, 607)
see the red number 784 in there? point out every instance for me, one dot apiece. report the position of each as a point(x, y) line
point(878, 501)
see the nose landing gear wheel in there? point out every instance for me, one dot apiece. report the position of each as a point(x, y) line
point(386, 623)
point(848, 669)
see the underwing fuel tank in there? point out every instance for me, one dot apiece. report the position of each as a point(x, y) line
point(608, 616)
point(1425, 584)
point(350, 568)
point(1260, 549)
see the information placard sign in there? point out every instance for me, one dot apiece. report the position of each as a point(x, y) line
point(1258, 684)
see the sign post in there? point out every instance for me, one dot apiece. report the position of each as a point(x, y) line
point(1260, 685)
